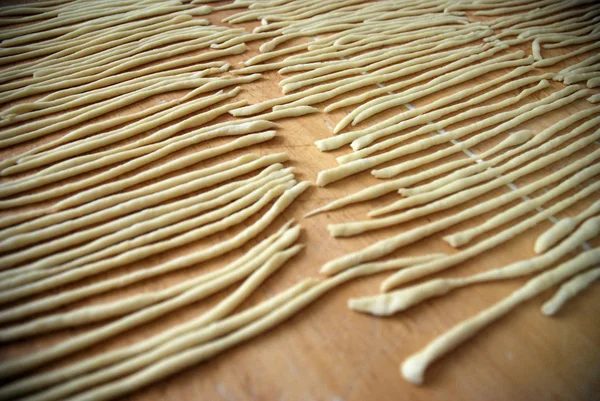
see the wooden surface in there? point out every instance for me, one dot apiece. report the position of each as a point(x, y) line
point(330, 353)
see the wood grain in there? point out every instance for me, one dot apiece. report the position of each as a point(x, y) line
point(330, 353)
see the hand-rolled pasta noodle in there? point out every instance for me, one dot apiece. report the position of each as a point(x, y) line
point(30, 18)
point(356, 64)
point(594, 98)
point(361, 59)
point(361, 139)
point(37, 129)
point(593, 82)
point(554, 60)
point(513, 140)
point(71, 56)
point(308, 12)
point(114, 42)
point(578, 77)
point(540, 16)
point(178, 263)
point(569, 290)
point(464, 237)
point(136, 363)
point(366, 194)
point(585, 63)
point(361, 98)
point(565, 31)
point(28, 111)
point(249, 37)
point(509, 10)
point(259, 58)
point(74, 59)
point(396, 263)
point(148, 149)
point(353, 81)
point(251, 15)
point(351, 84)
point(562, 228)
point(400, 300)
point(163, 67)
point(372, 56)
point(75, 70)
point(354, 228)
point(461, 64)
point(498, 220)
point(222, 309)
point(231, 125)
point(17, 218)
point(414, 367)
point(196, 334)
point(580, 70)
point(468, 171)
point(67, 32)
point(273, 43)
point(62, 25)
point(165, 135)
point(130, 12)
point(72, 258)
point(127, 152)
point(110, 35)
point(33, 130)
point(70, 50)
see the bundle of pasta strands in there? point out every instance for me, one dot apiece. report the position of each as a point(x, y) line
point(114, 243)
point(551, 26)
point(114, 89)
point(128, 187)
point(127, 360)
point(118, 188)
point(581, 268)
point(393, 243)
point(339, 60)
point(413, 369)
point(135, 236)
point(254, 267)
point(152, 221)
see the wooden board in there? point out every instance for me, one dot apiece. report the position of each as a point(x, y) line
point(330, 353)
